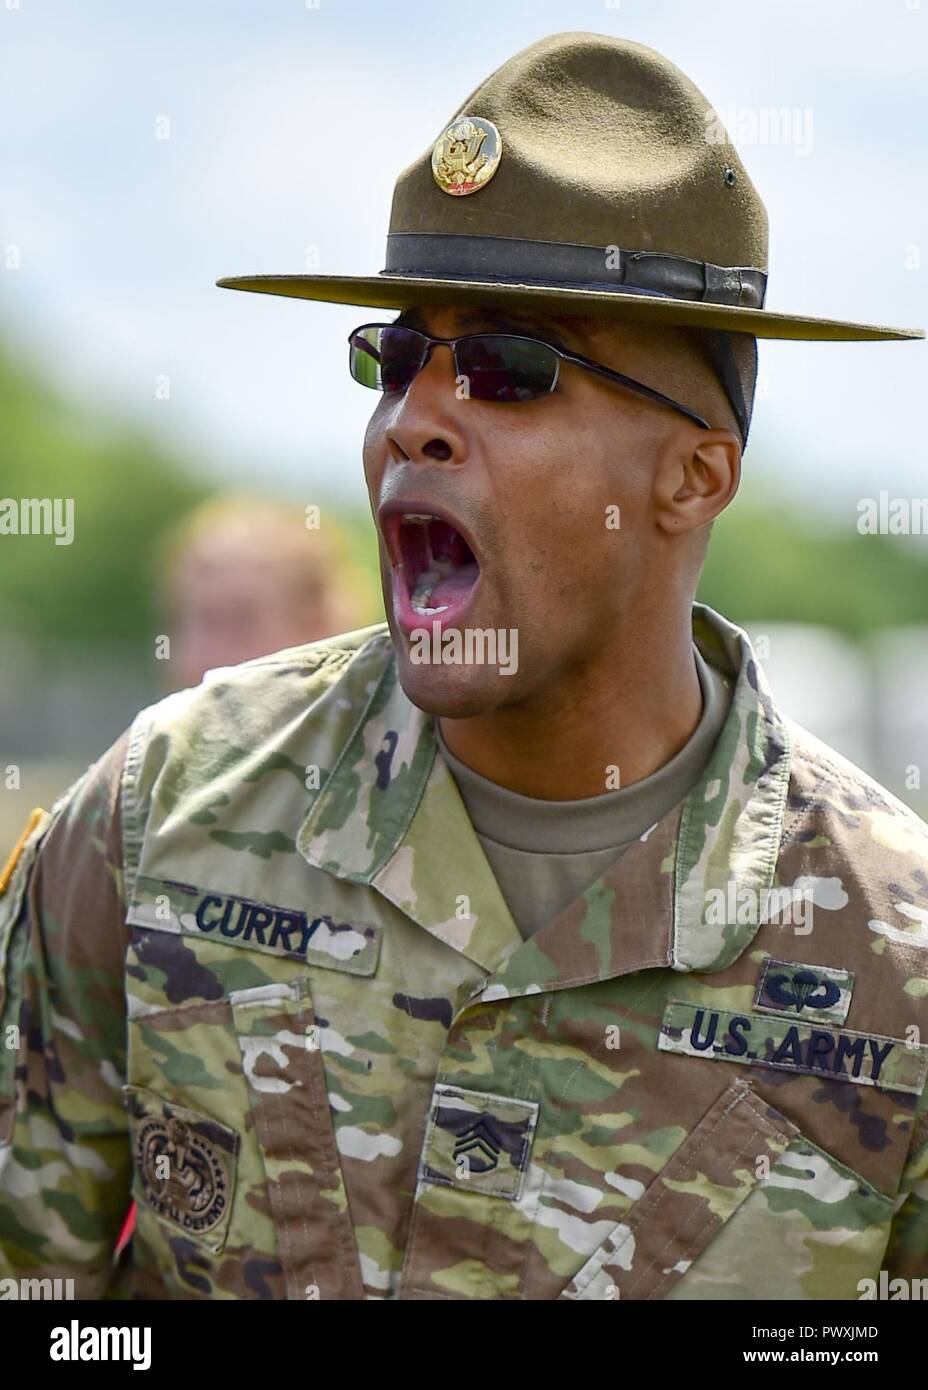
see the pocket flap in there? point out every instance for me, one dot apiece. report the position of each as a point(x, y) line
point(698, 1191)
point(281, 1044)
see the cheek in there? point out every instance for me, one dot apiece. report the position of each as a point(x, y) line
point(570, 509)
point(609, 499)
point(374, 448)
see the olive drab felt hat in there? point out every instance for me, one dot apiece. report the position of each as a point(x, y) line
point(587, 174)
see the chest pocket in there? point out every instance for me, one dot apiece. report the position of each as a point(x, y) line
point(737, 1213)
point(236, 1168)
point(680, 1213)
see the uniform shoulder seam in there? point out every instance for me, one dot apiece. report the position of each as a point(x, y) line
point(326, 652)
point(812, 752)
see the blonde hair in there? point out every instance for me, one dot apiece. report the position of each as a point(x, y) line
point(314, 563)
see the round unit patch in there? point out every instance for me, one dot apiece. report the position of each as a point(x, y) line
point(182, 1173)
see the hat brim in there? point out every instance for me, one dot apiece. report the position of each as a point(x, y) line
point(404, 291)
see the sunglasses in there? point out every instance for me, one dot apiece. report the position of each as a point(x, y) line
point(502, 368)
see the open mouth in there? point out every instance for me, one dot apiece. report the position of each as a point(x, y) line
point(434, 569)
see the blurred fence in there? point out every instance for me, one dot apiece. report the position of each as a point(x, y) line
point(867, 700)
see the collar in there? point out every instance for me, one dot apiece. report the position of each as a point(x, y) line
point(390, 816)
point(609, 821)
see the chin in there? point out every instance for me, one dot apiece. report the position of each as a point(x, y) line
point(453, 692)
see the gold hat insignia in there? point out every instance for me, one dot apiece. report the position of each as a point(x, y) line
point(466, 155)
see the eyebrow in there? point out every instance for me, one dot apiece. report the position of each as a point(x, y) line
point(500, 321)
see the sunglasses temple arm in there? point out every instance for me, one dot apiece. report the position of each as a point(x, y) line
point(362, 345)
point(638, 386)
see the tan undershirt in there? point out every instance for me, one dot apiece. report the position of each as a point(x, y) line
point(544, 854)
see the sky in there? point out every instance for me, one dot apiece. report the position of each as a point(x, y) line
point(286, 125)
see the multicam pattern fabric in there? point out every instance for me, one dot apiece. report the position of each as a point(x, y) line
point(264, 980)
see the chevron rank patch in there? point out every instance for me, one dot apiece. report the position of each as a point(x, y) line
point(762, 1040)
point(478, 1142)
point(815, 993)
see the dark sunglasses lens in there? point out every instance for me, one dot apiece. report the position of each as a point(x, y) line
point(385, 358)
point(498, 368)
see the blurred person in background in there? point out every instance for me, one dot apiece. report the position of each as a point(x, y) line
point(241, 576)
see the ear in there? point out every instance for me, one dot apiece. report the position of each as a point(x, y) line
point(696, 479)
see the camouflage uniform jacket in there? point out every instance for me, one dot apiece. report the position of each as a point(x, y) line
point(265, 981)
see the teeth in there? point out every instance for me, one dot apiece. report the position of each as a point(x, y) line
point(424, 585)
point(438, 569)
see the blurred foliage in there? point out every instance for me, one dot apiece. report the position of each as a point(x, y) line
point(770, 559)
point(766, 560)
point(358, 537)
point(126, 490)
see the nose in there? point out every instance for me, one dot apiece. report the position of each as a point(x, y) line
point(426, 424)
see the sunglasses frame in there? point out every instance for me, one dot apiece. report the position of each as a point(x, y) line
point(562, 354)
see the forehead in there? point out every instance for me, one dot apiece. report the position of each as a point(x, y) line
point(447, 320)
point(594, 336)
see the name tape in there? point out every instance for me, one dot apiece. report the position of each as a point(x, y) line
point(233, 920)
point(720, 1035)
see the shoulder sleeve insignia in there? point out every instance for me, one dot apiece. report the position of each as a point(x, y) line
point(6, 873)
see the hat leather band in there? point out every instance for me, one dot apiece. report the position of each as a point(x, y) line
point(443, 255)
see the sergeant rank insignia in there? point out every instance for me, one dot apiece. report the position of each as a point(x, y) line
point(466, 155)
point(478, 1142)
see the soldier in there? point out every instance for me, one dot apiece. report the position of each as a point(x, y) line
point(241, 577)
point(520, 948)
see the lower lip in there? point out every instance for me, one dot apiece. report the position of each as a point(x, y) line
point(409, 621)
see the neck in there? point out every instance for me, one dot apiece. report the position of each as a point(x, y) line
point(605, 725)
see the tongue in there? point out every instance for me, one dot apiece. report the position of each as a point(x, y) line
point(455, 586)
